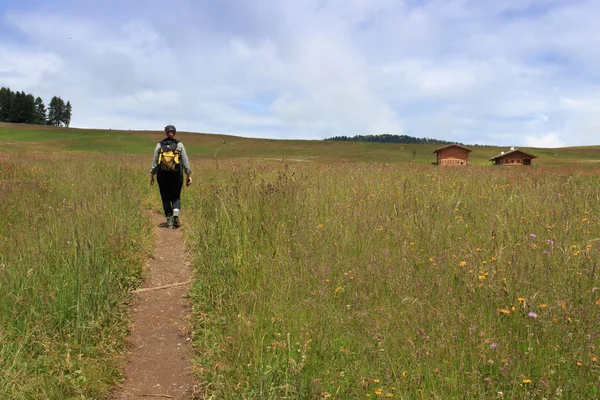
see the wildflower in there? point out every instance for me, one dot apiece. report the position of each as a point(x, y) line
point(545, 252)
point(598, 302)
point(339, 289)
point(579, 363)
point(563, 304)
point(526, 381)
point(494, 346)
point(379, 392)
point(431, 259)
point(376, 380)
point(532, 315)
point(532, 235)
point(481, 277)
point(503, 311)
point(544, 305)
point(522, 299)
point(549, 241)
point(463, 263)
point(513, 308)
point(389, 395)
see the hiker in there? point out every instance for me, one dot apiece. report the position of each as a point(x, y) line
point(169, 162)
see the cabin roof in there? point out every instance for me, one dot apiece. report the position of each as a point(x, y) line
point(512, 152)
point(453, 145)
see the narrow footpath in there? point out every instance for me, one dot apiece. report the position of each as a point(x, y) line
point(160, 352)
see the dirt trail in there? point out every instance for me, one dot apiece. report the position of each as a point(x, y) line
point(160, 353)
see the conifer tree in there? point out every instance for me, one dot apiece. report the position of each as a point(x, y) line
point(40, 112)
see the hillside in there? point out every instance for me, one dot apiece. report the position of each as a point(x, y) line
point(15, 137)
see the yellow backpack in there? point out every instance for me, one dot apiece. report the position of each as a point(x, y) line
point(168, 157)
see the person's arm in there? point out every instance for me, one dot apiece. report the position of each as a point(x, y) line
point(185, 163)
point(154, 163)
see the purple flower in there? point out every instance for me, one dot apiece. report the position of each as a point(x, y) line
point(545, 252)
point(532, 315)
point(549, 241)
point(532, 235)
point(494, 346)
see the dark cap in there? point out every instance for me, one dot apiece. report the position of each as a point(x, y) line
point(170, 128)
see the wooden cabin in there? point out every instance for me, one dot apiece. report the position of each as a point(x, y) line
point(453, 154)
point(513, 157)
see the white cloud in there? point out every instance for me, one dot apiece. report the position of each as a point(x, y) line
point(515, 72)
point(546, 140)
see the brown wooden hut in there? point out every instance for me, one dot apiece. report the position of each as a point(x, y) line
point(513, 157)
point(453, 154)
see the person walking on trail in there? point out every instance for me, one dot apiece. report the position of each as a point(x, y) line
point(169, 163)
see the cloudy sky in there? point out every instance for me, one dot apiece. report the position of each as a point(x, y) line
point(509, 72)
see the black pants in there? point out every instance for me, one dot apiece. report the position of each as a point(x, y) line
point(170, 184)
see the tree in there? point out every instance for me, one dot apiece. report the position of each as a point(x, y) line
point(22, 109)
point(7, 98)
point(56, 111)
point(66, 115)
point(40, 112)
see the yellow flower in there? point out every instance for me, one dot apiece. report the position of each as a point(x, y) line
point(598, 302)
point(463, 263)
point(513, 308)
point(404, 374)
point(526, 381)
point(522, 299)
point(503, 311)
point(481, 277)
point(376, 380)
point(379, 392)
point(389, 395)
point(543, 305)
point(339, 289)
point(579, 363)
point(431, 259)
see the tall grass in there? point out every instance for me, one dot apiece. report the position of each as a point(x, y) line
point(355, 281)
point(72, 242)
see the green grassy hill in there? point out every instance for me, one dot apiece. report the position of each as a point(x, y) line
point(53, 139)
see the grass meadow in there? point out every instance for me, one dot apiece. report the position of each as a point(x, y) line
point(395, 281)
point(321, 273)
point(72, 243)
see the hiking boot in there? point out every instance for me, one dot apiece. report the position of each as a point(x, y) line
point(170, 222)
point(175, 221)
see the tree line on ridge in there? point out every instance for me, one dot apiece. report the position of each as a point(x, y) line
point(22, 108)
